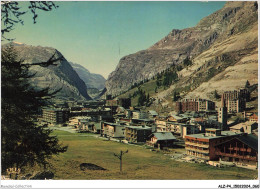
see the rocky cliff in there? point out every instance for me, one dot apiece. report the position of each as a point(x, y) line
point(228, 35)
point(55, 77)
point(91, 80)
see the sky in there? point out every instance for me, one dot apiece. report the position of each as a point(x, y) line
point(91, 33)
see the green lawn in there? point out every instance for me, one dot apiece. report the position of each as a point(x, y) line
point(139, 163)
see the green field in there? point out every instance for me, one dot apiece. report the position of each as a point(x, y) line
point(138, 164)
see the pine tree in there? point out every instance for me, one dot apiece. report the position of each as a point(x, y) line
point(216, 95)
point(187, 62)
point(247, 85)
point(23, 142)
point(155, 90)
point(147, 99)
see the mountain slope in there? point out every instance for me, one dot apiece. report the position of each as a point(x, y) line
point(91, 80)
point(224, 27)
point(55, 77)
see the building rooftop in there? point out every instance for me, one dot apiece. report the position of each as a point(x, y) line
point(139, 127)
point(152, 112)
point(113, 124)
point(240, 125)
point(164, 136)
point(145, 120)
point(177, 117)
point(223, 134)
point(212, 129)
point(249, 140)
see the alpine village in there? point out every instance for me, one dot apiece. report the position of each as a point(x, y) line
point(185, 108)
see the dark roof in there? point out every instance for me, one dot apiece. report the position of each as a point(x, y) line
point(250, 140)
point(164, 136)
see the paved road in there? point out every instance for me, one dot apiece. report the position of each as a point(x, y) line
point(68, 129)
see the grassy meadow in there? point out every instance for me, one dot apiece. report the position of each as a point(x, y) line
point(138, 164)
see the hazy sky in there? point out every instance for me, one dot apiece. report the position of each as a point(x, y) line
point(90, 33)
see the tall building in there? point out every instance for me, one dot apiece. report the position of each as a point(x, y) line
point(223, 115)
point(236, 100)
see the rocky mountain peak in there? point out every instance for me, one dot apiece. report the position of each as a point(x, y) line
point(56, 76)
point(233, 19)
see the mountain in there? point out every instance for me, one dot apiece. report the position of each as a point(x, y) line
point(222, 47)
point(55, 77)
point(91, 80)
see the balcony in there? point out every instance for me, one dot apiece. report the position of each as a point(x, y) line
point(197, 150)
point(197, 144)
point(234, 155)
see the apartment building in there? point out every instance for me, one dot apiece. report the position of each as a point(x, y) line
point(137, 134)
point(55, 116)
point(197, 105)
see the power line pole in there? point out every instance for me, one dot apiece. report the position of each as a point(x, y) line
point(120, 156)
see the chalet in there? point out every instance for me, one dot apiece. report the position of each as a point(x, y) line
point(137, 134)
point(242, 150)
point(161, 139)
point(203, 145)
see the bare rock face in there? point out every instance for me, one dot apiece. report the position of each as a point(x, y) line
point(232, 20)
point(91, 80)
point(55, 77)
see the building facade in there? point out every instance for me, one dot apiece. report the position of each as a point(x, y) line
point(161, 140)
point(197, 105)
point(223, 115)
point(137, 134)
point(55, 116)
point(112, 130)
point(242, 150)
point(203, 145)
point(235, 100)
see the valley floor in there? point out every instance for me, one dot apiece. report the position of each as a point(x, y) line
point(139, 163)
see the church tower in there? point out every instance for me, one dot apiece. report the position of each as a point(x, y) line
point(222, 114)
